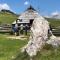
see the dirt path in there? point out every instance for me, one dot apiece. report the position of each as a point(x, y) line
point(22, 37)
point(58, 38)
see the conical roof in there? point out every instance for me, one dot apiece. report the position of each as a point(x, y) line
point(30, 8)
point(29, 13)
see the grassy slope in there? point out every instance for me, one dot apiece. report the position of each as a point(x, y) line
point(9, 47)
point(7, 17)
point(54, 22)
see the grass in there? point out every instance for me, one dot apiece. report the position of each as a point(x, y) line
point(7, 18)
point(10, 50)
point(54, 22)
point(44, 54)
point(9, 47)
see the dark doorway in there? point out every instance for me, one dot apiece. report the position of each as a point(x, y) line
point(31, 21)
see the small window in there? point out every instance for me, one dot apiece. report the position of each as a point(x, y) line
point(20, 20)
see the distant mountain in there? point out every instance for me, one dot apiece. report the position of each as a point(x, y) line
point(8, 11)
point(53, 22)
point(56, 16)
point(7, 16)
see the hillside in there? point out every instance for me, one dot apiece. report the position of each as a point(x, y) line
point(54, 22)
point(7, 16)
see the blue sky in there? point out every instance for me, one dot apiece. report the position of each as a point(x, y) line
point(45, 7)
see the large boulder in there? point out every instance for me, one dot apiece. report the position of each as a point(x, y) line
point(54, 41)
point(38, 36)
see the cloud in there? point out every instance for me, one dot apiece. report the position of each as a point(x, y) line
point(26, 3)
point(55, 13)
point(47, 16)
point(4, 6)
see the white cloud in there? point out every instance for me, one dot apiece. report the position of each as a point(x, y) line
point(4, 6)
point(47, 16)
point(26, 3)
point(55, 13)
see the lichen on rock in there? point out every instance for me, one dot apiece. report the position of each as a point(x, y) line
point(38, 36)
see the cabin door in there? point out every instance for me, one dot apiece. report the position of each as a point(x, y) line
point(31, 21)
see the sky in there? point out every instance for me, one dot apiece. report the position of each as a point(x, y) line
point(44, 7)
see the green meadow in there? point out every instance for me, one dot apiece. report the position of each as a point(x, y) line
point(10, 49)
point(7, 17)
